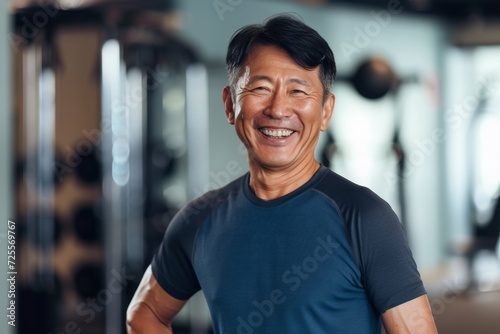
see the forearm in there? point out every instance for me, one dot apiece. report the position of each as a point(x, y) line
point(415, 325)
point(142, 320)
point(413, 317)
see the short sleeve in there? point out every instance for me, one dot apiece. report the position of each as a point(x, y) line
point(389, 272)
point(172, 264)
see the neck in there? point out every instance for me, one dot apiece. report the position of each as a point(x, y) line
point(272, 183)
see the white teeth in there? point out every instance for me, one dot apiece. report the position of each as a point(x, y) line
point(276, 133)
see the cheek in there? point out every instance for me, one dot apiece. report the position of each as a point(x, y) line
point(309, 110)
point(243, 132)
point(305, 105)
point(249, 106)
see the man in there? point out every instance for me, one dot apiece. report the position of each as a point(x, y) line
point(290, 247)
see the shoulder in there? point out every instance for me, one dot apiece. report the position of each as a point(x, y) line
point(182, 230)
point(349, 196)
point(366, 216)
point(199, 208)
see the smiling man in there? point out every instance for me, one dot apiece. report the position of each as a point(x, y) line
point(291, 246)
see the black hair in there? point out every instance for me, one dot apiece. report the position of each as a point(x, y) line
point(302, 43)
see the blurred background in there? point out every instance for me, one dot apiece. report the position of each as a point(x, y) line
point(111, 119)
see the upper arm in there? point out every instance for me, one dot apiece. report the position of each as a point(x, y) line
point(413, 317)
point(389, 272)
point(151, 307)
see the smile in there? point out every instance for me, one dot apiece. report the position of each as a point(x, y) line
point(275, 133)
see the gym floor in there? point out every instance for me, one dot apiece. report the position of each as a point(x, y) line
point(459, 309)
point(471, 313)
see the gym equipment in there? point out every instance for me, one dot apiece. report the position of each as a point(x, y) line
point(46, 222)
point(88, 280)
point(87, 224)
point(328, 150)
point(153, 70)
point(31, 317)
point(374, 78)
point(153, 95)
point(89, 170)
point(483, 183)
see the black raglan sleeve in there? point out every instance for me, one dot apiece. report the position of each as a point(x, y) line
point(389, 272)
point(172, 265)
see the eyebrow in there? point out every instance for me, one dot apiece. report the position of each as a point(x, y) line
point(268, 79)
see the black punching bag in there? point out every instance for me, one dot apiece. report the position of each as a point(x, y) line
point(374, 78)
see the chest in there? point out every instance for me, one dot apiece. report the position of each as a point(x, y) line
point(297, 254)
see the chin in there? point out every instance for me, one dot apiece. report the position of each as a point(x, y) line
point(275, 162)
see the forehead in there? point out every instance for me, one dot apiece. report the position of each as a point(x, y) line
point(273, 61)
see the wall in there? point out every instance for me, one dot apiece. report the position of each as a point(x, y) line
point(6, 193)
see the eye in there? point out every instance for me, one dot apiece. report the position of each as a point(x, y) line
point(261, 89)
point(298, 91)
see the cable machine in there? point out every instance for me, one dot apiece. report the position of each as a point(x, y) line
point(111, 139)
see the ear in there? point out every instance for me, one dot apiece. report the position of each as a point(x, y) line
point(327, 113)
point(227, 99)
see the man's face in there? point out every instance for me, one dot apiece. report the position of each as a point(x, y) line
point(277, 108)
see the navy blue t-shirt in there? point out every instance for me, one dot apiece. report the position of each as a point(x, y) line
point(330, 257)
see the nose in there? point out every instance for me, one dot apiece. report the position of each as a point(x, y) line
point(278, 105)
